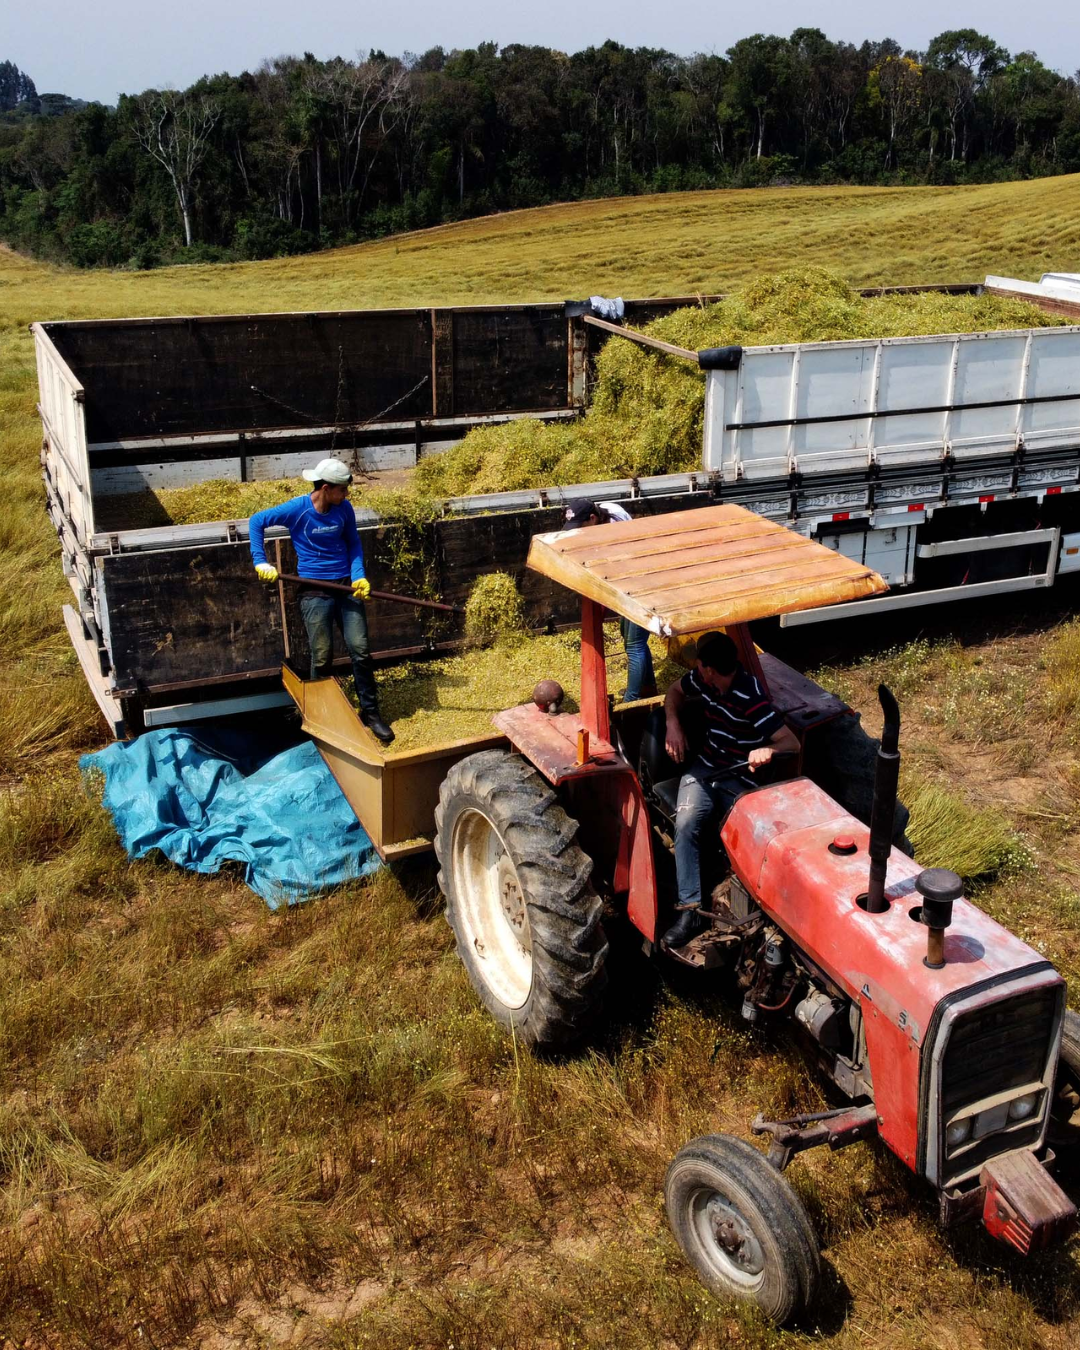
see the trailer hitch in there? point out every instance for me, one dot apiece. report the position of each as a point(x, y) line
point(847, 1125)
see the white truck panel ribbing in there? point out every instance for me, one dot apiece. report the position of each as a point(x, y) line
point(832, 407)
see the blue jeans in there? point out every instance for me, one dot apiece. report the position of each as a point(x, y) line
point(640, 679)
point(699, 802)
point(320, 610)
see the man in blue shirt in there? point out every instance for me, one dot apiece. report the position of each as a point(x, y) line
point(322, 526)
point(741, 727)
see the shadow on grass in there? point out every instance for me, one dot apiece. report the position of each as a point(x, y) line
point(635, 982)
point(1049, 1280)
point(831, 1308)
point(971, 622)
point(418, 877)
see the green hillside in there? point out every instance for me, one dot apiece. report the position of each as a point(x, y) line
point(673, 244)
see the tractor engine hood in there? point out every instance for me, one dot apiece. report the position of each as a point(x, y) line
point(778, 839)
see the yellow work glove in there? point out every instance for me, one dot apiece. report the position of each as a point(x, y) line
point(266, 572)
point(361, 588)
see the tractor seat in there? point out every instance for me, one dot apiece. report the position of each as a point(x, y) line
point(659, 774)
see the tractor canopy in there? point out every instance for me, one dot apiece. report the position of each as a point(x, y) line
point(686, 571)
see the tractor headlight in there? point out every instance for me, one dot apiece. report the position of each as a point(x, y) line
point(992, 1119)
point(1024, 1106)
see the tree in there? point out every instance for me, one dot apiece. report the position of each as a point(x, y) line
point(759, 75)
point(1029, 90)
point(15, 88)
point(363, 101)
point(966, 60)
point(896, 86)
point(844, 78)
point(174, 129)
point(282, 112)
point(810, 60)
point(706, 77)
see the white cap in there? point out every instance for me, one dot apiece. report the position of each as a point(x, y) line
point(329, 471)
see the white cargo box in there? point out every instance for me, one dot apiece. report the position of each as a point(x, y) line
point(832, 407)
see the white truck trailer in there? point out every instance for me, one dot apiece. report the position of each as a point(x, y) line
point(937, 461)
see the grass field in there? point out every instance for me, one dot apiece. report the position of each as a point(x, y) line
point(226, 1128)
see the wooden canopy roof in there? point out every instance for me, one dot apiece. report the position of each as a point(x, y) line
point(685, 571)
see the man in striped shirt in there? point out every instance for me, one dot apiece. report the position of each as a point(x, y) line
point(741, 728)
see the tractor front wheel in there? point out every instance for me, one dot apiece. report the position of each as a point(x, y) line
point(741, 1226)
point(519, 898)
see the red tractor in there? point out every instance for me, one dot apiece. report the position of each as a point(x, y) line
point(938, 1030)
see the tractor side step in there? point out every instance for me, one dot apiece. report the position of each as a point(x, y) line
point(705, 951)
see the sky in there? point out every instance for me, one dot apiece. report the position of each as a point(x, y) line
point(97, 49)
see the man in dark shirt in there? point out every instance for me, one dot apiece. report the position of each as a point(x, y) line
point(640, 679)
point(741, 727)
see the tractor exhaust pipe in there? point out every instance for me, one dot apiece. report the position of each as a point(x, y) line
point(883, 813)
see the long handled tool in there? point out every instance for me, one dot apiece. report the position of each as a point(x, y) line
point(374, 595)
point(733, 769)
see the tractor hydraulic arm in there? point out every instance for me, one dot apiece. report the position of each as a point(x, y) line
point(838, 1128)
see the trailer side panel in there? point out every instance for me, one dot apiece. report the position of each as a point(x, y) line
point(160, 377)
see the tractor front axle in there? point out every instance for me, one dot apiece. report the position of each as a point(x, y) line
point(837, 1128)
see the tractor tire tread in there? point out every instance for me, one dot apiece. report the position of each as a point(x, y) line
point(1070, 1040)
point(568, 942)
point(792, 1272)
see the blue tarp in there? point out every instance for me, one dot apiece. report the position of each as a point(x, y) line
point(211, 794)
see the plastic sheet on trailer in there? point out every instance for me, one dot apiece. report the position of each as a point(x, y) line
point(209, 795)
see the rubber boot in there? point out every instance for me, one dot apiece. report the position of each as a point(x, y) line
point(378, 728)
point(687, 926)
point(368, 699)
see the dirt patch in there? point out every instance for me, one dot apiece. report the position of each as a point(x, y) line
point(985, 776)
point(300, 1317)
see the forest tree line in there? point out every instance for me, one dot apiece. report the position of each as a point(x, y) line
point(305, 153)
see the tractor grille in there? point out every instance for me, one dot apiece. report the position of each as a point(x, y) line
point(996, 1049)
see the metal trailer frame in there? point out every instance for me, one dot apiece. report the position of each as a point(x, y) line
point(938, 473)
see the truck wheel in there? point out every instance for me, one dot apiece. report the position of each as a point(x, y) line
point(741, 1226)
point(519, 898)
point(1064, 1131)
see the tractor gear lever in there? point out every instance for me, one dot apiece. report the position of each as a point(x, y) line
point(939, 888)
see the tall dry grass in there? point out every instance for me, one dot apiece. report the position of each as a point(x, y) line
point(1062, 661)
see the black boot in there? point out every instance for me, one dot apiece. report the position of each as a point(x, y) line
point(688, 925)
point(378, 728)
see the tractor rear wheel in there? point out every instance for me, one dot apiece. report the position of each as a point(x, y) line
point(519, 898)
point(741, 1226)
point(1064, 1131)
